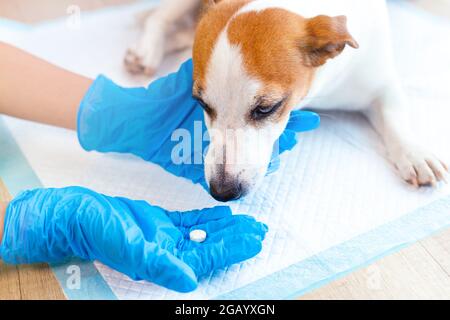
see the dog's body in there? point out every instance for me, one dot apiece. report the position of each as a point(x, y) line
point(291, 54)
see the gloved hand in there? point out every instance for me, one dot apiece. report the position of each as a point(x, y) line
point(141, 121)
point(133, 237)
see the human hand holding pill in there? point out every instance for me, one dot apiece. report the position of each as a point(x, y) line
point(142, 241)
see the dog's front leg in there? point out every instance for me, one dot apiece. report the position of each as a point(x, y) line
point(415, 164)
point(146, 55)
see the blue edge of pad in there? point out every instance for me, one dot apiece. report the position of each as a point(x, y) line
point(288, 283)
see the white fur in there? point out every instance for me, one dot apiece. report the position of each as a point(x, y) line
point(363, 79)
point(231, 91)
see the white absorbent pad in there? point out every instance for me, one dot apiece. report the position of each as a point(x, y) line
point(335, 204)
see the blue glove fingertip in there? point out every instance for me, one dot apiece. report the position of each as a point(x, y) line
point(229, 250)
point(263, 230)
point(265, 227)
point(302, 121)
point(186, 283)
point(274, 165)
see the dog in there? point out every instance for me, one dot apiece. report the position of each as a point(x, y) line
point(257, 60)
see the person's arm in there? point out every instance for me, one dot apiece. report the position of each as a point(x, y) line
point(136, 238)
point(35, 90)
point(3, 206)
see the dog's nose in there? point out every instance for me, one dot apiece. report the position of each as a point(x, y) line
point(224, 191)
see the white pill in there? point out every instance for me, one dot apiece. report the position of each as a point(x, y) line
point(197, 235)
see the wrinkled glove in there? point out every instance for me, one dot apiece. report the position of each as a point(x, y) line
point(143, 241)
point(141, 121)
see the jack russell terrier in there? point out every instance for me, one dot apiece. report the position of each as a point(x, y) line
point(256, 61)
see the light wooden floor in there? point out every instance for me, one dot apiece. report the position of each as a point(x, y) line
point(421, 271)
point(27, 282)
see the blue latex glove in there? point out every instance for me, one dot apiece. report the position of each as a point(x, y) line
point(141, 121)
point(133, 237)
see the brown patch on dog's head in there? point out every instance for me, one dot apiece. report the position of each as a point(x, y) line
point(213, 21)
point(280, 48)
point(250, 70)
point(283, 49)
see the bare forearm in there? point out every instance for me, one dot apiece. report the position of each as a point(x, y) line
point(35, 90)
point(3, 206)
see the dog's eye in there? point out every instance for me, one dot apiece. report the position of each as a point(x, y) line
point(206, 107)
point(203, 104)
point(262, 112)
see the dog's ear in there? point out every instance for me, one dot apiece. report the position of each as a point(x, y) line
point(325, 38)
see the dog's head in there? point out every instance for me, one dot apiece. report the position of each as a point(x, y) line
point(251, 67)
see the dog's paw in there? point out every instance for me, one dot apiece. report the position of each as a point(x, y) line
point(146, 56)
point(136, 63)
point(419, 168)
